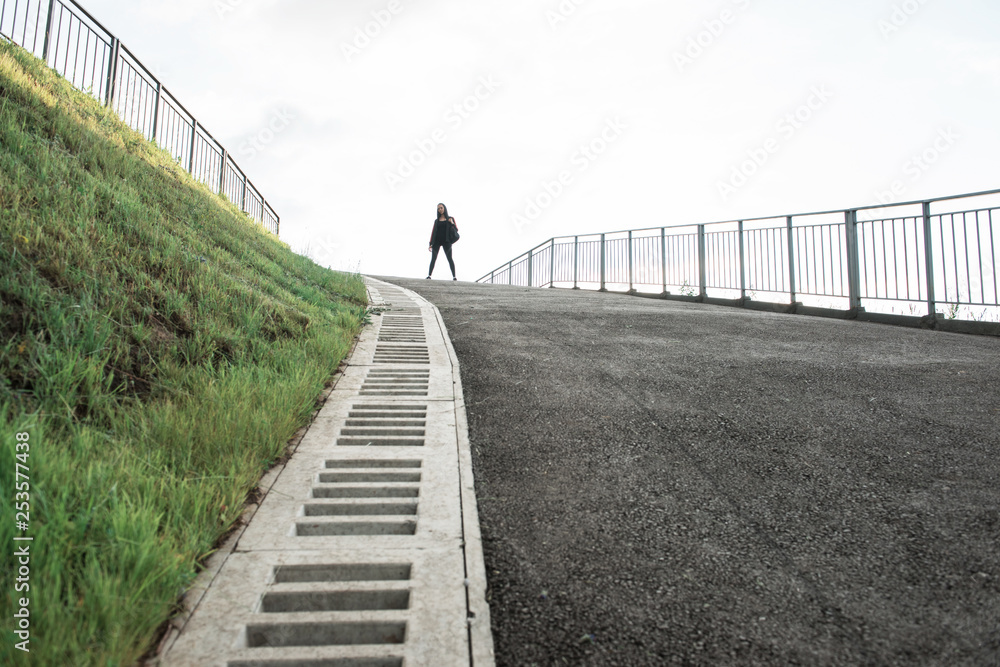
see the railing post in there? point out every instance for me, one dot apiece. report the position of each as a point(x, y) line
point(702, 268)
point(194, 135)
point(222, 171)
point(663, 256)
point(791, 259)
point(631, 288)
point(531, 254)
point(243, 197)
point(576, 262)
point(156, 112)
point(853, 260)
point(603, 253)
point(113, 72)
point(929, 261)
point(48, 31)
point(743, 266)
point(552, 264)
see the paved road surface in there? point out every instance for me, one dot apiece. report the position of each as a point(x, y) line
point(671, 483)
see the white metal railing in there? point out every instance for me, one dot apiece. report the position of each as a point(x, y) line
point(77, 46)
point(928, 254)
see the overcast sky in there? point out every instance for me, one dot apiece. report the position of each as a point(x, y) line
point(533, 119)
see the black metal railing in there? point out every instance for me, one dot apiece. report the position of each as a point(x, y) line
point(925, 254)
point(85, 53)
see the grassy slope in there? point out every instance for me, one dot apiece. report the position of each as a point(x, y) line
point(159, 349)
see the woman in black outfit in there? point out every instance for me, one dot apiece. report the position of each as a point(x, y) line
point(439, 238)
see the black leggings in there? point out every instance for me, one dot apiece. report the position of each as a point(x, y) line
point(447, 253)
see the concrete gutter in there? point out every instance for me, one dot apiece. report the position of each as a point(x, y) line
point(365, 550)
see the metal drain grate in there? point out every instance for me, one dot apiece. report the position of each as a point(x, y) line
point(396, 382)
point(397, 353)
point(384, 425)
point(402, 329)
point(365, 550)
point(376, 478)
point(341, 588)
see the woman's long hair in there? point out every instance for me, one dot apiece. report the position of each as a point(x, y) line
point(437, 217)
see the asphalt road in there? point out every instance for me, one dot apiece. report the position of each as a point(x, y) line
point(673, 483)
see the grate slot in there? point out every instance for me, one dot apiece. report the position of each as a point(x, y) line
point(366, 492)
point(377, 414)
point(352, 441)
point(304, 574)
point(382, 431)
point(361, 509)
point(323, 662)
point(359, 477)
point(316, 601)
point(355, 423)
point(347, 529)
point(324, 634)
point(372, 463)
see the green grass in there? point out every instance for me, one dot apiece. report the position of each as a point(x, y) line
point(159, 349)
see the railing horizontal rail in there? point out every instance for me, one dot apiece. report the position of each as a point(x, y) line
point(75, 44)
point(913, 253)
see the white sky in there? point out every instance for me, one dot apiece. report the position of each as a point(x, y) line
point(888, 80)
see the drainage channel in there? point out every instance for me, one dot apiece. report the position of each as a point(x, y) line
point(365, 551)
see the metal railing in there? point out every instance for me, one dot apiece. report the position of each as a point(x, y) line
point(78, 47)
point(938, 252)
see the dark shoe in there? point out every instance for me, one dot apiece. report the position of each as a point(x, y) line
point(454, 278)
point(428, 277)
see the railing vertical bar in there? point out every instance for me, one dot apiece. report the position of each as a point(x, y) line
point(954, 252)
point(112, 72)
point(906, 258)
point(993, 262)
point(968, 262)
point(702, 289)
point(791, 259)
point(822, 257)
point(222, 171)
point(853, 259)
point(743, 273)
point(603, 264)
point(630, 285)
point(55, 55)
point(552, 264)
point(815, 264)
point(48, 31)
point(576, 262)
point(929, 260)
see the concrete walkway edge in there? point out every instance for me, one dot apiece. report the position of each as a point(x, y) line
point(480, 635)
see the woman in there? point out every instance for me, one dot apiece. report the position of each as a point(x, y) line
point(439, 239)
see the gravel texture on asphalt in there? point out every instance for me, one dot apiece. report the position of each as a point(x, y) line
point(673, 483)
